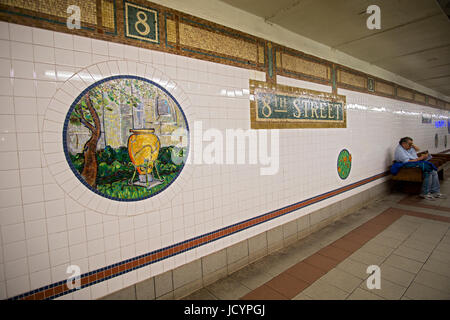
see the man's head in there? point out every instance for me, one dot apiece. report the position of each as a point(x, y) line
point(406, 143)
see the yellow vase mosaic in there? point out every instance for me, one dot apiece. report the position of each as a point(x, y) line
point(143, 148)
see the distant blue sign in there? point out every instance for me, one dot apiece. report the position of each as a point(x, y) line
point(440, 124)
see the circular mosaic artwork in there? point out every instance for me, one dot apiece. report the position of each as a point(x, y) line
point(344, 164)
point(126, 138)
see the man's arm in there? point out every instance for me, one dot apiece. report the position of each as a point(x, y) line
point(422, 157)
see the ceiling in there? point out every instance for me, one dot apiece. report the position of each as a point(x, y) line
point(413, 42)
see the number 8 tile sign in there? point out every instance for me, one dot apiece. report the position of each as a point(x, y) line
point(141, 23)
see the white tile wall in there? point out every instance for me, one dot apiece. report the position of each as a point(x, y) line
point(48, 220)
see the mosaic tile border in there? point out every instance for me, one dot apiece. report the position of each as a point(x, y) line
point(60, 288)
point(220, 31)
point(271, 64)
point(66, 123)
point(58, 21)
point(170, 17)
point(353, 79)
point(281, 70)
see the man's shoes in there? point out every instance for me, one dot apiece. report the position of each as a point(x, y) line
point(427, 197)
point(438, 195)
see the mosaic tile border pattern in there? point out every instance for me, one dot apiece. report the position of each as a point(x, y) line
point(405, 94)
point(256, 53)
point(60, 288)
point(419, 98)
point(384, 88)
point(347, 78)
point(97, 16)
point(195, 37)
point(298, 65)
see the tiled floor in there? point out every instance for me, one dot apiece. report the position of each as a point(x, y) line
point(406, 237)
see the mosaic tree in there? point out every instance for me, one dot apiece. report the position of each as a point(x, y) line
point(105, 96)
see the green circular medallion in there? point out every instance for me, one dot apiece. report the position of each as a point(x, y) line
point(344, 164)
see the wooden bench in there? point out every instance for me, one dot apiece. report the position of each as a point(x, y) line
point(440, 160)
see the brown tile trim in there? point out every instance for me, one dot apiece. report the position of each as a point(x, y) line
point(318, 264)
point(122, 267)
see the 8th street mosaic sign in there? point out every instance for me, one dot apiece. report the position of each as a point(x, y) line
point(278, 107)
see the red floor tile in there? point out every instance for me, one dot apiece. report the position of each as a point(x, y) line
point(334, 253)
point(264, 293)
point(369, 229)
point(305, 272)
point(384, 220)
point(287, 285)
point(417, 202)
point(356, 238)
point(346, 245)
point(429, 216)
point(321, 262)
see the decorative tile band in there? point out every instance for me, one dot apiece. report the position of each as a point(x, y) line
point(202, 39)
point(171, 31)
point(148, 25)
point(384, 88)
point(310, 68)
point(60, 288)
point(406, 94)
point(88, 13)
point(419, 97)
point(349, 78)
point(55, 11)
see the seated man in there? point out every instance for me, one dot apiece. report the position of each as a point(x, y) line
point(406, 154)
